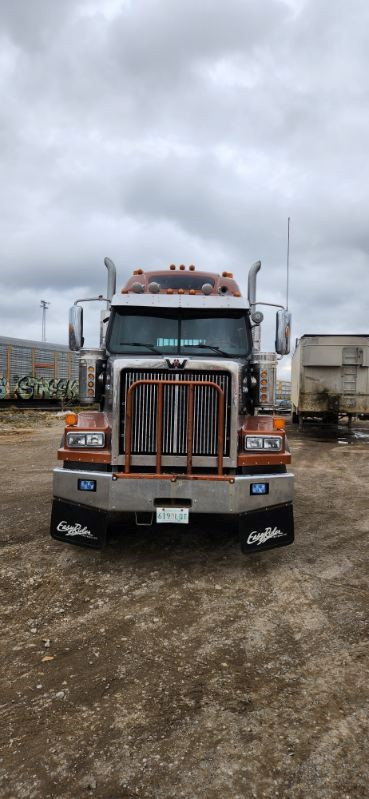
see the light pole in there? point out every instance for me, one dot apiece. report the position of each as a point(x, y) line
point(44, 305)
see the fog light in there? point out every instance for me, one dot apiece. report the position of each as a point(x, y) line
point(259, 488)
point(86, 485)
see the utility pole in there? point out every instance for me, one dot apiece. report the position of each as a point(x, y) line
point(44, 305)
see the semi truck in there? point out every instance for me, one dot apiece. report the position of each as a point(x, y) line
point(330, 378)
point(176, 433)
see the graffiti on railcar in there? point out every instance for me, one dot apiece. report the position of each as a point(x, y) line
point(35, 388)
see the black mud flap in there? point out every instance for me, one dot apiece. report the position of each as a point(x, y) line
point(266, 528)
point(76, 524)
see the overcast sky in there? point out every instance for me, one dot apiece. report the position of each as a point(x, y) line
point(160, 131)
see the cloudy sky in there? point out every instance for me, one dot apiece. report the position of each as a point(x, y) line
point(157, 131)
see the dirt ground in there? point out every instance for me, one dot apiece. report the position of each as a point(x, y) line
point(171, 665)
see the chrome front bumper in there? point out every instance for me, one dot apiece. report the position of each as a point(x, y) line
point(130, 495)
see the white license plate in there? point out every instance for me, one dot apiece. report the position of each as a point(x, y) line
point(172, 515)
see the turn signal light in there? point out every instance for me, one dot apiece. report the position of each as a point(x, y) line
point(71, 419)
point(278, 423)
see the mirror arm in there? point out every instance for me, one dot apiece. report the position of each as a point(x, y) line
point(93, 299)
point(272, 304)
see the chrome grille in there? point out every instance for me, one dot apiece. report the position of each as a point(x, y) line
point(175, 398)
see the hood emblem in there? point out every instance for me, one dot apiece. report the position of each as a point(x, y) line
point(176, 363)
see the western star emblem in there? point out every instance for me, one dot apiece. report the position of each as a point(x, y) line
point(175, 363)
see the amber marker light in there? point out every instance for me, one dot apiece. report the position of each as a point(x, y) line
point(278, 423)
point(182, 267)
point(236, 293)
point(191, 268)
point(138, 272)
point(124, 291)
point(71, 419)
point(192, 291)
point(172, 267)
point(170, 291)
point(181, 291)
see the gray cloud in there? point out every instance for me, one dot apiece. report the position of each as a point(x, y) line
point(160, 132)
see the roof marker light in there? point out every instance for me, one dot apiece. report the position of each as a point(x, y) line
point(170, 291)
point(182, 267)
point(181, 291)
point(191, 268)
point(192, 291)
point(172, 267)
point(137, 288)
point(138, 272)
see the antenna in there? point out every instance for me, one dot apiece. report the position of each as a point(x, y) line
point(44, 305)
point(288, 260)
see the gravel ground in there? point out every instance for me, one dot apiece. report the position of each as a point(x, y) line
point(171, 665)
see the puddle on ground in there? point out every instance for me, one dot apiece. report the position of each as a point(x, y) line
point(336, 433)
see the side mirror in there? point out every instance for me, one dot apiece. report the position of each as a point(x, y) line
point(283, 332)
point(75, 328)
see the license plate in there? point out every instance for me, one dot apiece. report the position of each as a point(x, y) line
point(172, 515)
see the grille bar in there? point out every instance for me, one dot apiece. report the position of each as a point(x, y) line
point(174, 438)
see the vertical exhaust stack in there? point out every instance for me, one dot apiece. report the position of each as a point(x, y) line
point(112, 279)
point(251, 294)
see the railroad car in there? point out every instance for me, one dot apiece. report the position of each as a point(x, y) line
point(37, 372)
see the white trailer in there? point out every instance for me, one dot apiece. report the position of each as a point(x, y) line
point(330, 377)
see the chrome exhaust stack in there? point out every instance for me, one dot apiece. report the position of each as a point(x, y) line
point(112, 279)
point(251, 284)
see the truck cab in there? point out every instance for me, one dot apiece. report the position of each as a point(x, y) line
point(177, 433)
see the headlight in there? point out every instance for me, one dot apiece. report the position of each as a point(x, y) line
point(263, 442)
point(253, 443)
point(77, 440)
point(274, 442)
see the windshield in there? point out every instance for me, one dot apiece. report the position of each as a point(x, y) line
point(184, 332)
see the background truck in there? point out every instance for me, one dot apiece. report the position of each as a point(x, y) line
point(330, 377)
point(178, 382)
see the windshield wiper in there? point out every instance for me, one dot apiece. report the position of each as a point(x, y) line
point(140, 344)
point(215, 349)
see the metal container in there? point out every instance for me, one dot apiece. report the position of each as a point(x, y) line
point(330, 376)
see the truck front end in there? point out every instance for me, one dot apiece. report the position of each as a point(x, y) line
point(176, 434)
